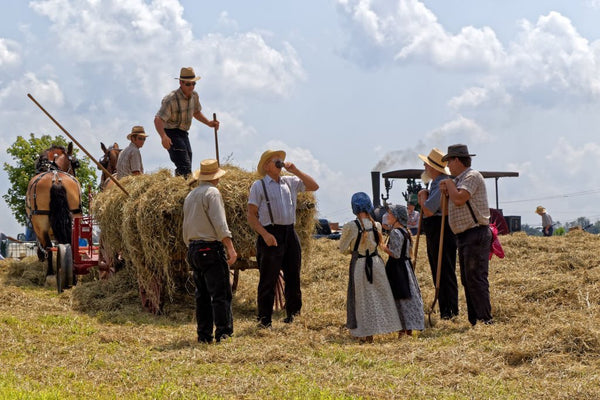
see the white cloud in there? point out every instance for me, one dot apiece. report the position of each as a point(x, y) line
point(9, 53)
point(459, 130)
point(141, 46)
point(407, 30)
point(575, 160)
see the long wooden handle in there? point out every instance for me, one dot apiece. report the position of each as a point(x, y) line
point(216, 141)
point(78, 144)
point(416, 251)
point(438, 272)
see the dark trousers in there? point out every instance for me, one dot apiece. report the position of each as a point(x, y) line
point(448, 294)
point(286, 256)
point(213, 289)
point(180, 151)
point(473, 256)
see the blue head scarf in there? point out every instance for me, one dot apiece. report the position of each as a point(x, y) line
point(361, 203)
point(399, 212)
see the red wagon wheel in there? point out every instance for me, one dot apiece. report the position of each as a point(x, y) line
point(150, 296)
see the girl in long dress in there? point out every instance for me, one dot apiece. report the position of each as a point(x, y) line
point(370, 305)
point(406, 289)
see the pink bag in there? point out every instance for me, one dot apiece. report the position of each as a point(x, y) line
point(496, 247)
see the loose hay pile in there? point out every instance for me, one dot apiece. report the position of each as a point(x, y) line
point(146, 226)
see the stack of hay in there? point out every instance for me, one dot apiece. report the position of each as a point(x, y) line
point(146, 226)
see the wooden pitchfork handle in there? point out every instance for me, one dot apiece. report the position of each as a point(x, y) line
point(438, 272)
point(216, 141)
point(416, 251)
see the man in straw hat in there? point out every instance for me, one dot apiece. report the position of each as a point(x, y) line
point(130, 159)
point(430, 202)
point(207, 235)
point(547, 228)
point(469, 216)
point(272, 214)
point(174, 119)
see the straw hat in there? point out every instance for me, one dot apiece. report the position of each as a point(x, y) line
point(266, 156)
point(434, 160)
point(188, 74)
point(457, 150)
point(209, 170)
point(540, 210)
point(137, 131)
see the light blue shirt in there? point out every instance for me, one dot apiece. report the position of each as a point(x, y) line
point(282, 197)
point(433, 202)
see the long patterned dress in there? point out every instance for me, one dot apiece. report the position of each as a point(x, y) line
point(370, 303)
point(410, 310)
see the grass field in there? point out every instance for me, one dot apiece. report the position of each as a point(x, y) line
point(95, 342)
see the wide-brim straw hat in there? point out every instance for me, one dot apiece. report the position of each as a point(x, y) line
point(209, 170)
point(434, 160)
point(540, 210)
point(457, 150)
point(266, 156)
point(137, 131)
point(188, 74)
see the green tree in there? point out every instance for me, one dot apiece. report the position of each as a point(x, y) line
point(25, 153)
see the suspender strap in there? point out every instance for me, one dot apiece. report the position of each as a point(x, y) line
point(267, 200)
point(472, 213)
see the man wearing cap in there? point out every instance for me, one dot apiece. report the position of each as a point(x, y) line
point(272, 214)
point(469, 215)
point(130, 159)
point(207, 235)
point(547, 228)
point(174, 119)
point(430, 202)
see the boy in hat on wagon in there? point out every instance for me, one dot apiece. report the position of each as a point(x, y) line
point(469, 216)
point(130, 159)
point(174, 119)
point(272, 214)
point(207, 235)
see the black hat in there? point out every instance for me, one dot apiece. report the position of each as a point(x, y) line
point(457, 150)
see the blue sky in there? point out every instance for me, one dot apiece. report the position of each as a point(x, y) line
point(345, 87)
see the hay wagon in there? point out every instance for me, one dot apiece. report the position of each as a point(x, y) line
point(145, 228)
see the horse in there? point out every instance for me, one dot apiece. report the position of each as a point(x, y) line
point(57, 157)
point(109, 162)
point(53, 198)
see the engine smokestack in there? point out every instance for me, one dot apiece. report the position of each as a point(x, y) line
point(375, 181)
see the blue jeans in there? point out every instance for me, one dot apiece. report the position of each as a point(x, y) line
point(180, 151)
point(213, 289)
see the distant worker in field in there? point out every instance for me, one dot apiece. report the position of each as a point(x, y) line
point(430, 202)
point(130, 159)
point(174, 119)
point(413, 218)
point(547, 228)
point(272, 214)
point(469, 216)
point(207, 235)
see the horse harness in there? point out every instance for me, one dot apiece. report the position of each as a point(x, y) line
point(55, 178)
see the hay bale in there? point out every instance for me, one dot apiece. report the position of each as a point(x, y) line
point(146, 226)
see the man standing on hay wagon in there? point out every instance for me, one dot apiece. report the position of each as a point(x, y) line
point(205, 231)
point(547, 228)
point(272, 214)
point(174, 119)
point(469, 215)
point(130, 159)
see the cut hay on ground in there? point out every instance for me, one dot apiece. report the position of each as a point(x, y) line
point(545, 343)
point(146, 226)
